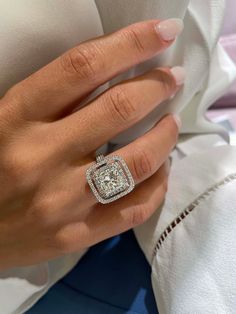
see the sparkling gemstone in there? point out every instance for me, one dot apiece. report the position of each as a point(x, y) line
point(110, 180)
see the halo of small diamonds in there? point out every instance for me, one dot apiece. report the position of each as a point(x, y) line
point(109, 179)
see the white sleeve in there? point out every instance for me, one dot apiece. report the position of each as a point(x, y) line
point(189, 242)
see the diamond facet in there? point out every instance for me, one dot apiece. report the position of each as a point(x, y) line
point(110, 179)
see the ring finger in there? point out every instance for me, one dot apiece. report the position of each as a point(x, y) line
point(144, 156)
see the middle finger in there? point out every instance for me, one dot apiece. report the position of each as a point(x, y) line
point(116, 110)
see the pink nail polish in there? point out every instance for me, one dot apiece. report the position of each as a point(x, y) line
point(170, 29)
point(179, 74)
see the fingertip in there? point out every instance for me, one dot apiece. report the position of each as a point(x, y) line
point(179, 74)
point(169, 29)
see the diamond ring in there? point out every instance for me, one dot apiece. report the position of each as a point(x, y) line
point(109, 178)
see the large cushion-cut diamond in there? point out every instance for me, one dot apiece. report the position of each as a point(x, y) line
point(110, 180)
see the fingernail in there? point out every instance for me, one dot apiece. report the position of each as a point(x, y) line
point(179, 74)
point(178, 120)
point(170, 29)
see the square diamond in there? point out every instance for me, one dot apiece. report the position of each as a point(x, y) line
point(110, 180)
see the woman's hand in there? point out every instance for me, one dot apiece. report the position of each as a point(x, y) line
point(46, 206)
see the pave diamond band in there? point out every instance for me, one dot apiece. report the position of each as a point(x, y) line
point(109, 178)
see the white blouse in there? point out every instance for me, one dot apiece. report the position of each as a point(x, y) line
point(189, 242)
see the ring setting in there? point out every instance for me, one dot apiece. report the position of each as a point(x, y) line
point(109, 178)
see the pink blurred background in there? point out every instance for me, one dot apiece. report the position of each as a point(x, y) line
point(228, 40)
point(225, 108)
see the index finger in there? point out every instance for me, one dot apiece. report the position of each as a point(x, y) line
point(52, 91)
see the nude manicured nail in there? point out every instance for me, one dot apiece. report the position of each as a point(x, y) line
point(170, 29)
point(179, 74)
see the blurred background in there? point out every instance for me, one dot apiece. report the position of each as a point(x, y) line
point(224, 111)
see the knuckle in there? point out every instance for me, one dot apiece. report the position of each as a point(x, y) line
point(12, 95)
point(83, 61)
point(134, 39)
point(16, 167)
point(122, 108)
point(63, 243)
point(69, 239)
point(143, 164)
point(20, 168)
